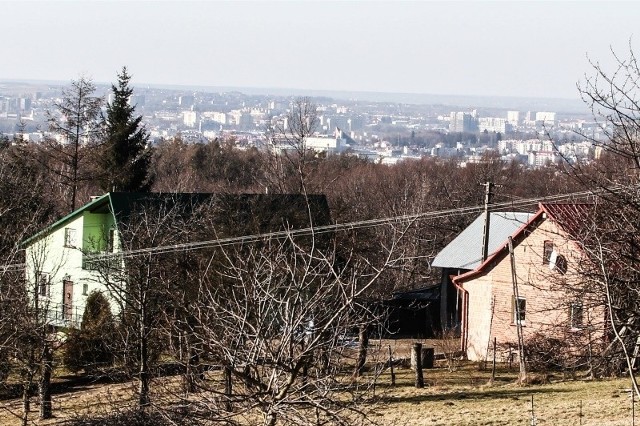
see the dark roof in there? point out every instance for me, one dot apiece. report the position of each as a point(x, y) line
point(431, 292)
point(236, 214)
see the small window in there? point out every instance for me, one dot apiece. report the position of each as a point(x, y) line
point(561, 264)
point(43, 284)
point(546, 253)
point(85, 289)
point(576, 314)
point(111, 240)
point(69, 237)
point(519, 310)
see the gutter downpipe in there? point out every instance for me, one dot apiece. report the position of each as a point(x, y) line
point(465, 317)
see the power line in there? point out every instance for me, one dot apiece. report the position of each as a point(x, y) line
point(370, 223)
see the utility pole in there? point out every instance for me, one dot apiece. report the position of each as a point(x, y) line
point(488, 186)
point(518, 315)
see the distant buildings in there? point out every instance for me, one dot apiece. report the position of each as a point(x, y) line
point(463, 122)
point(493, 124)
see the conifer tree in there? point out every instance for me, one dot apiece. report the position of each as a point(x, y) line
point(126, 157)
point(92, 346)
point(76, 121)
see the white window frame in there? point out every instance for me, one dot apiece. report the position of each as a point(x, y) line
point(70, 237)
point(576, 312)
point(44, 284)
point(523, 312)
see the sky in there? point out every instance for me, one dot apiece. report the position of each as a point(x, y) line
point(508, 48)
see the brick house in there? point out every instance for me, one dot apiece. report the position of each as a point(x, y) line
point(549, 296)
point(464, 254)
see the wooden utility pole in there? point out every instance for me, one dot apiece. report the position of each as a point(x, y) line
point(488, 186)
point(523, 370)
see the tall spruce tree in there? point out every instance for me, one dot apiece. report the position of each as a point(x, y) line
point(126, 157)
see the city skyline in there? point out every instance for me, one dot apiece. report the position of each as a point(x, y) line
point(517, 49)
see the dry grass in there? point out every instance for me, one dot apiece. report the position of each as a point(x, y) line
point(462, 397)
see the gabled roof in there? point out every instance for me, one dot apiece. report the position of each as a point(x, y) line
point(465, 251)
point(570, 217)
point(239, 213)
point(96, 204)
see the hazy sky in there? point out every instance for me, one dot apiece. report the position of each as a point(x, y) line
point(535, 49)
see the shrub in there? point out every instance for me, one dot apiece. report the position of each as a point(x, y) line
point(92, 346)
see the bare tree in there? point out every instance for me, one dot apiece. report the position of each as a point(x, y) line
point(273, 314)
point(611, 242)
point(290, 162)
point(76, 123)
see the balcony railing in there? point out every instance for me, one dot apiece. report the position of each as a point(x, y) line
point(102, 261)
point(61, 315)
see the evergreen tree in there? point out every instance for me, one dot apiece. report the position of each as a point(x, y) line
point(126, 157)
point(92, 346)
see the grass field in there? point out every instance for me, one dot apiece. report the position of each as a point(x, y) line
point(459, 397)
point(463, 397)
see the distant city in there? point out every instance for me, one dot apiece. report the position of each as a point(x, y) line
point(382, 127)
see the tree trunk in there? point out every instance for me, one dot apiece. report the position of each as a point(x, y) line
point(26, 401)
point(44, 388)
point(228, 388)
point(191, 373)
point(144, 376)
point(362, 350)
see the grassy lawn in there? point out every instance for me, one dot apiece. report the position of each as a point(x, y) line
point(459, 397)
point(463, 397)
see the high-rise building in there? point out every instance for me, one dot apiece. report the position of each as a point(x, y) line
point(463, 122)
point(546, 117)
point(189, 118)
point(513, 118)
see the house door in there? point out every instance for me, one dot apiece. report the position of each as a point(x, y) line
point(67, 299)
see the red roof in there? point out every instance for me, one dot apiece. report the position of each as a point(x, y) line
point(571, 217)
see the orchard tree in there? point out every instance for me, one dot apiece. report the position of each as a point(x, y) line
point(125, 158)
point(610, 236)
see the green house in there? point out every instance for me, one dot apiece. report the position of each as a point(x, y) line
point(65, 261)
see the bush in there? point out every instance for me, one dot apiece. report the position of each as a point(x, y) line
point(545, 353)
point(92, 346)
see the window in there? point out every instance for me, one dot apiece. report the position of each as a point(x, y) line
point(43, 284)
point(85, 289)
point(576, 314)
point(111, 240)
point(519, 310)
point(561, 264)
point(546, 253)
point(69, 237)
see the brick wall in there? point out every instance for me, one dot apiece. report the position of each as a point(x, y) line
point(548, 294)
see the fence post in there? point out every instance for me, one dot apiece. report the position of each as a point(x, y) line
point(417, 356)
point(393, 375)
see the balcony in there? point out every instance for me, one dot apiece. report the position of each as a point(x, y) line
point(60, 315)
point(102, 261)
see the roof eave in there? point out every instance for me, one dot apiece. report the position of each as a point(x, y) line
point(485, 265)
point(66, 218)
